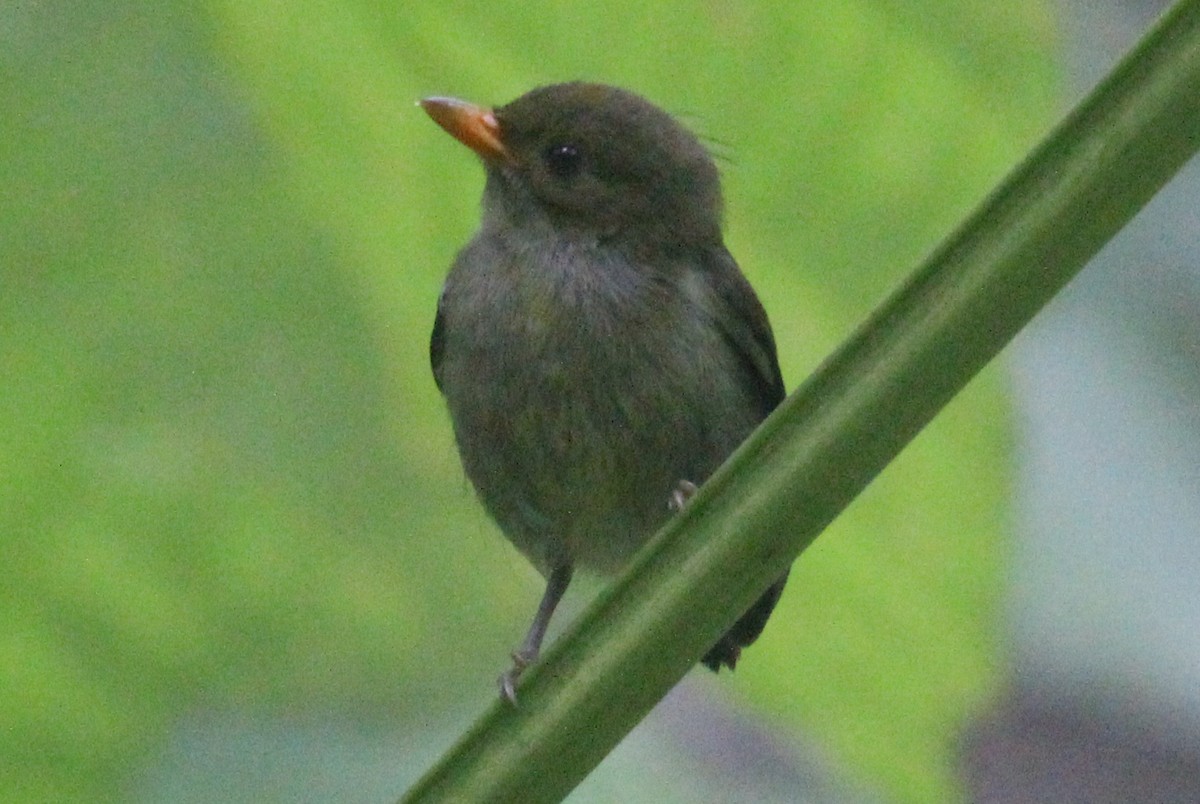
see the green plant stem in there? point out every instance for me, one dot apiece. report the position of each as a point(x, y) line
point(838, 430)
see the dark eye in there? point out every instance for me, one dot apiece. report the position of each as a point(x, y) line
point(563, 160)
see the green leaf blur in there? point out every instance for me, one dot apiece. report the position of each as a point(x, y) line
point(228, 479)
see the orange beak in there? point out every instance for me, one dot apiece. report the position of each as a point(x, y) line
point(473, 126)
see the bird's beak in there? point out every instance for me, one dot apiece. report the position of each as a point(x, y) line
point(473, 126)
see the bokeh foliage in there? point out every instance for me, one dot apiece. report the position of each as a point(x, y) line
point(228, 481)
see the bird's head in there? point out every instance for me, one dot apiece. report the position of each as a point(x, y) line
point(592, 159)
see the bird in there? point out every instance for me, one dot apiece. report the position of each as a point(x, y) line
point(598, 349)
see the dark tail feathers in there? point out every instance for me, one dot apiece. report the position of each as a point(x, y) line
point(745, 630)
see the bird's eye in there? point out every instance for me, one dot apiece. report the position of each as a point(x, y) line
point(563, 160)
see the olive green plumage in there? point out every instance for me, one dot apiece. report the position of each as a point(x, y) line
point(596, 344)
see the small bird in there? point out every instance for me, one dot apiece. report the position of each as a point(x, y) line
point(599, 351)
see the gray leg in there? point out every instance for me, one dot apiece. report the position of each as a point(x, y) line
point(531, 646)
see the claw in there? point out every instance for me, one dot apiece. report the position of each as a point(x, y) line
point(508, 684)
point(684, 491)
point(508, 679)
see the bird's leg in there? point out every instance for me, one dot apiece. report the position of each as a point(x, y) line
point(531, 646)
point(684, 491)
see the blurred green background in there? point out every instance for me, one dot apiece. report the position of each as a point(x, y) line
point(228, 481)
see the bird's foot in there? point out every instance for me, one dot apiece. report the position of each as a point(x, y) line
point(684, 491)
point(508, 679)
point(531, 647)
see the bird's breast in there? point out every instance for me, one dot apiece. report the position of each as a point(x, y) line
point(581, 392)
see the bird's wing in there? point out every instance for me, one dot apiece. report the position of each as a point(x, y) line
point(437, 342)
point(743, 321)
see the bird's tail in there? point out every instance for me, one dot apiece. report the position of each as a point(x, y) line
point(745, 630)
